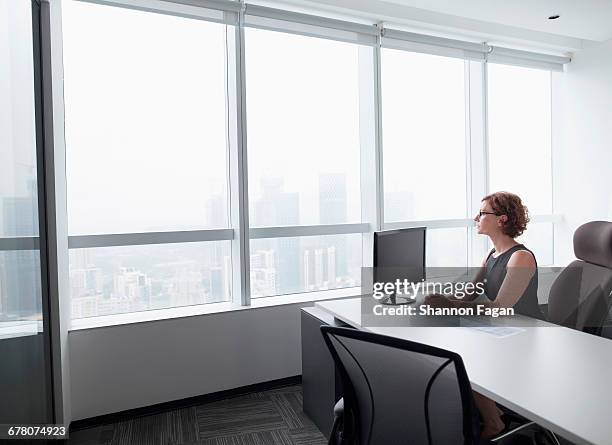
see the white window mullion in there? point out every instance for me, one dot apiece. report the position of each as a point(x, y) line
point(378, 156)
point(478, 168)
point(20, 243)
point(239, 201)
point(468, 159)
point(369, 97)
point(316, 230)
point(141, 239)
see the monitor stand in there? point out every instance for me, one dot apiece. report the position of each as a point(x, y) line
point(395, 300)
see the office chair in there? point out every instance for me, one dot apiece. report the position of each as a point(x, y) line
point(399, 392)
point(580, 296)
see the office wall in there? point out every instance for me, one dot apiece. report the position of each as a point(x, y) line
point(582, 144)
point(124, 367)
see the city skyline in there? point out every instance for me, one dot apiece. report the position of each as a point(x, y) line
point(133, 278)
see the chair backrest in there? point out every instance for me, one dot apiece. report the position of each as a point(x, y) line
point(580, 296)
point(401, 392)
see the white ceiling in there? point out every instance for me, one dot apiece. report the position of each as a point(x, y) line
point(520, 24)
point(582, 19)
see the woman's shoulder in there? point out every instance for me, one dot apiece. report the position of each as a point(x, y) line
point(522, 257)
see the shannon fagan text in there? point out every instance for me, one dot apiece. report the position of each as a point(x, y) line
point(479, 309)
point(412, 289)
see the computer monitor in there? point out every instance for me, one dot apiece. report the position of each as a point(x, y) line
point(399, 254)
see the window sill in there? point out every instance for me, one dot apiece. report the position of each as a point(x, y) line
point(24, 328)
point(209, 309)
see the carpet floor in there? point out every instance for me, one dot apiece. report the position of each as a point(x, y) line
point(273, 417)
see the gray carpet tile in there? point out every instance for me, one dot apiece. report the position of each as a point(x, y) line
point(271, 437)
point(238, 415)
point(172, 427)
point(308, 435)
point(101, 435)
point(273, 417)
point(289, 406)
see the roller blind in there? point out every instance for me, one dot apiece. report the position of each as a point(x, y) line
point(395, 39)
point(279, 20)
point(219, 11)
point(525, 58)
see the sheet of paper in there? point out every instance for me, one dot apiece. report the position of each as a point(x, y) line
point(498, 331)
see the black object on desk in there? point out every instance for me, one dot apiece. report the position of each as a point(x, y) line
point(399, 255)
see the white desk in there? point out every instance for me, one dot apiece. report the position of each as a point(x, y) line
point(557, 377)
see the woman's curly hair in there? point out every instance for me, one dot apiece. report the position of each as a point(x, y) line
point(509, 204)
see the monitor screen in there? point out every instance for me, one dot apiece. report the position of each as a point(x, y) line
point(399, 254)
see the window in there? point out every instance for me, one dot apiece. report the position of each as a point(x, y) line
point(447, 247)
point(519, 118)
point(520, 134)
point(146, 149)
point(110, 280)
point(304, 264)
point(423, 119)
point(304, 158)
point(145, 121)
point(424, 155)
point(303, 129)
point(154, 147)
point(20, 276)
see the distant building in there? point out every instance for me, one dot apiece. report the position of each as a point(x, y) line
point(85, 282)
point(333, 210)
point(21, 288)
point(216, 285)
point(319, 268)
point(332, 198)
point(279, 208)
point(86, 306)
point(132, 285)
point(263, 273)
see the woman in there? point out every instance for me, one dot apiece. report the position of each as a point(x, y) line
point(509, 274)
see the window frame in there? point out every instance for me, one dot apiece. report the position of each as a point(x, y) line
point(369, 38)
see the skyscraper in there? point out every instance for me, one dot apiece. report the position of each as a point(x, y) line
point(133, 285)
point(279, 208)
point(333, 210)
point(332, 198)
point(319, 265)
point(21, 292)
point(308, 270)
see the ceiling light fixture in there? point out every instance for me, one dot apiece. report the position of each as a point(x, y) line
point(554, 17)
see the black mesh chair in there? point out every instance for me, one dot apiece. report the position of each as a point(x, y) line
point(399, 392)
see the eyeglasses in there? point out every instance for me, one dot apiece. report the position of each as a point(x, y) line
point(480, 213)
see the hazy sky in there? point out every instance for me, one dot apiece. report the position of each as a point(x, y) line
point(146, 113)
point(423, 115)
point(145, 119)
point(17, 126)
point(520, 156)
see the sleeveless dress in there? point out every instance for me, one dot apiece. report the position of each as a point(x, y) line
point(496, 268)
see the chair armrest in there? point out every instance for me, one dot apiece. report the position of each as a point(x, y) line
point(339, 408)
